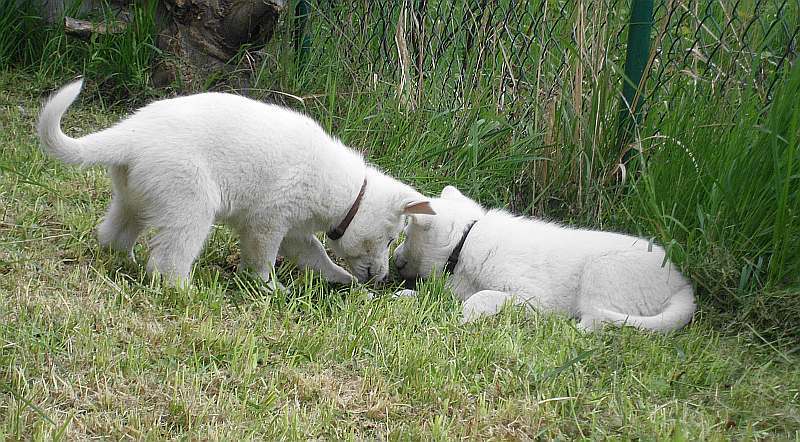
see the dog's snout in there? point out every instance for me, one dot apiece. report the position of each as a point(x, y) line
point(375, 273)
point(399, 263)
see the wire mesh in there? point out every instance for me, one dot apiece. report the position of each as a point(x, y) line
point(525, 51)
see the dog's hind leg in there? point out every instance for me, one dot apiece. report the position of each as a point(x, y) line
point(122, 224)
point(601, 287)
point(634, 288)
point(174, 248)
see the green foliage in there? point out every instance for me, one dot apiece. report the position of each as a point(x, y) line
point(721, 185)
point(23, 38)
point(122, 62)
point(119, 63)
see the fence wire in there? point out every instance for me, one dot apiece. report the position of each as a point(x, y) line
point(538, 50)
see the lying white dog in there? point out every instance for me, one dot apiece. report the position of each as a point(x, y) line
point(495, 258)
point(274, 175)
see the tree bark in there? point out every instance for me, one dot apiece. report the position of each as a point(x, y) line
point(200, 37)
point(84, 29)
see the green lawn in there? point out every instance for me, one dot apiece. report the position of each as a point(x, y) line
point(88, 347)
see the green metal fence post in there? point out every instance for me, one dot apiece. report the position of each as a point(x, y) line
point(302, 42)
point(636, 56)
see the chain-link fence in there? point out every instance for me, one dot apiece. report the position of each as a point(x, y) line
point(532, 51)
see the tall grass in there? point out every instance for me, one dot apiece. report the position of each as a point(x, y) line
point(721, 184)
point(122, 62)
point(24, 37)
point(119, 63)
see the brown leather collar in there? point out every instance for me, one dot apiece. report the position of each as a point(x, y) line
point(452, 260)
point(338, 231)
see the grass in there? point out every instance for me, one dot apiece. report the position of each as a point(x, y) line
point(89, 347)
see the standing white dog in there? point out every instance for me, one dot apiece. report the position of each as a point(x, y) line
point(275, 176)
point(495, 258)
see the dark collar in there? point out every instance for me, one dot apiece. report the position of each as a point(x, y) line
point(452, 260)
point(338, 231)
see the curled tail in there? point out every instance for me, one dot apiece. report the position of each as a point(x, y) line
point(677, 313)
point(58, 144)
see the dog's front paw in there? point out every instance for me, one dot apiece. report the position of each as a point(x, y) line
point(341, 276)
point(470, 313)
point(273, 285)
point(345, 280)
point(484, 303)
point(405, 293)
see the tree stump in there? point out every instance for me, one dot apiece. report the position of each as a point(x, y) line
point(200, 37)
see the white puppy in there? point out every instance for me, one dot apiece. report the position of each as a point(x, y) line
point(274, 175)
point(591, 275)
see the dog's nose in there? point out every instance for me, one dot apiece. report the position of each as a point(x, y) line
point(410, 283)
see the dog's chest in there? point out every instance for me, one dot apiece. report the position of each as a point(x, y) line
point(463, 285)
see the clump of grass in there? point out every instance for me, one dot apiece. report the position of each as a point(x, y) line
point(721, 186)
point(122, 62)
point(24, 35)
point(119, 63)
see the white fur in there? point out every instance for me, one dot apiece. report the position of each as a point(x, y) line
point(591, 275)
point(275, 176)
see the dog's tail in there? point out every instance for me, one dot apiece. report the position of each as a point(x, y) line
point(677, 313)
point(54, 142)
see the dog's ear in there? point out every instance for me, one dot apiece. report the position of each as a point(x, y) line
point(423, 221)
point(450, 192)
point(418, 207)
